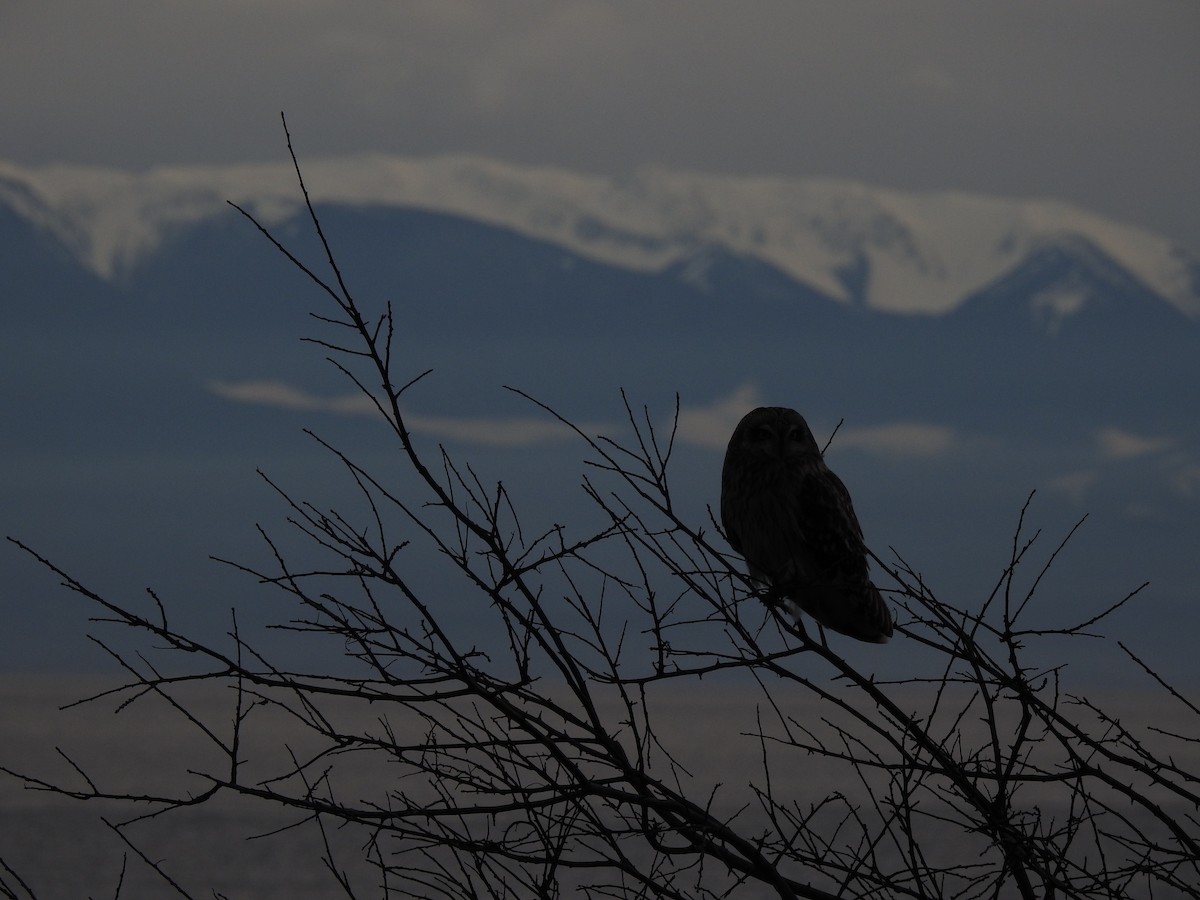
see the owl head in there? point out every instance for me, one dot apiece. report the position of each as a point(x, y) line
point(775, 432)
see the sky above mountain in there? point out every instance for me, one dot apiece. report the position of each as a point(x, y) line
point(1091, 103)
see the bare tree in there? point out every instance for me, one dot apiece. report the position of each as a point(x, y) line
point(541, 762)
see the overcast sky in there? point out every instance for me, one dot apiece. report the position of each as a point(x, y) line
point(1092, 101)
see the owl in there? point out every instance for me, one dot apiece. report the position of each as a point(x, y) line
point(792, 520)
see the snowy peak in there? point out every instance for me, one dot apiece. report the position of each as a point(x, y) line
point(870, 247)
point(1064, 280)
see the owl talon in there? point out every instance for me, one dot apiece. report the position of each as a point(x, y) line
point(770, 597)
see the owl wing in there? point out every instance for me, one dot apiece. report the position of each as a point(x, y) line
point(839, 593)
point(829, 529)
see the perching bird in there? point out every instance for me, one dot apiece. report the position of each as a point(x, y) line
point(792, 520)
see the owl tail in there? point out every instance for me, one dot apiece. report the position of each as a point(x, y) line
point(855, 610)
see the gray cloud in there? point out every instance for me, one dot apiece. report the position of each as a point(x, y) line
point(904, 439)
point(1117, 444)
point(489, 431)
point(1090, 102)
point(707, 426)
point(710, 426)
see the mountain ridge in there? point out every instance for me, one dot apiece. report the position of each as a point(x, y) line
point(875, 248)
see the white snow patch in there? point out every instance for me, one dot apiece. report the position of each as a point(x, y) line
point(1051, 308)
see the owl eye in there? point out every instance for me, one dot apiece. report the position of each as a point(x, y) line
point(793, 435)
point(764, 433)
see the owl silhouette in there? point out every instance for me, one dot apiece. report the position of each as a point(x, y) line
point(792, 520)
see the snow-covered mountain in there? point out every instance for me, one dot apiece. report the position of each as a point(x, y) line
point(881, 249)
